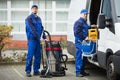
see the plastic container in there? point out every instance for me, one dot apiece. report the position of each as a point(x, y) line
point(88, 48)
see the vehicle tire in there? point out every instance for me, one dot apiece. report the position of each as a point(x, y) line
point(111, 75)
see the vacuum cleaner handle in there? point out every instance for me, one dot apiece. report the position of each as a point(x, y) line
point(42, 56)
point(64, 59)
point(44, 31)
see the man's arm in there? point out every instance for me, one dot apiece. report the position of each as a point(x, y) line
point(78, 30)
point(43, 35)
point(32, 27)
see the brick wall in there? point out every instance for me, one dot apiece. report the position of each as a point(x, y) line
point(22, 44)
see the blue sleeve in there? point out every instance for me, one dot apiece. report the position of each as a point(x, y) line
point(32, 27)
point(78, 30)
point(43, 36)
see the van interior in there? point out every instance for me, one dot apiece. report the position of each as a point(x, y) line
point(94, 11)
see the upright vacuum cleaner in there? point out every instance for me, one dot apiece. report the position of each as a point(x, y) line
point(55, 62)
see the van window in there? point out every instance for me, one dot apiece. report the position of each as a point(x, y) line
point(88, 4)
point(106, 9)
point(117, 7)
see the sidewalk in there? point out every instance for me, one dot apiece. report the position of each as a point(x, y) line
point(16, 72)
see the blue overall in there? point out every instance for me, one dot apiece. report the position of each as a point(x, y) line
point(80, 33)
point(34, 31)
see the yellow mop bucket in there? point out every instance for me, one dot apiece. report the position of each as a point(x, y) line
point(93, 34)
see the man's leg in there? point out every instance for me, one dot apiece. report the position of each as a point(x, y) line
point(83, 68)
point(79, 60)
point(37, 59)
point(31, 50)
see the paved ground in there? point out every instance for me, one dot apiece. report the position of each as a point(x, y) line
point(16, 72)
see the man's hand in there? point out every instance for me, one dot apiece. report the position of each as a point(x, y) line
point(94, 26)
point(46, 39)
point(86, 39)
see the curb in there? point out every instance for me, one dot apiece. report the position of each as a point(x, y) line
point(70, 60)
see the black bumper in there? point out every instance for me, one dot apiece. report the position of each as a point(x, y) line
point(116, 61)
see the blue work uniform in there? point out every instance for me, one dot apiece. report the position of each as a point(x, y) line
point(80, 33)
point(34, 31)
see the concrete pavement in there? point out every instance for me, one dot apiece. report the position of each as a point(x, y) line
point(16, 72)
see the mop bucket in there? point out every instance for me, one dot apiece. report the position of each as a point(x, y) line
point(88, 48)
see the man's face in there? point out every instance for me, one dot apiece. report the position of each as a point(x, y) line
point(34, 10)
point(84, 16)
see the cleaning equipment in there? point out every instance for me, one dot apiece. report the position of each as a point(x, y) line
point(93, 34)
point(89, 47)
point(55, 64)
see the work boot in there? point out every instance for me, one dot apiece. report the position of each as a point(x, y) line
point(79, 75)
point(85, 74)
point(28, 74)
point(36, 73)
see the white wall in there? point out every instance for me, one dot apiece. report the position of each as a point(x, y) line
point(74, 14)
point(54, 15)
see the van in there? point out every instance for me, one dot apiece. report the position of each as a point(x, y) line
point(105, 14)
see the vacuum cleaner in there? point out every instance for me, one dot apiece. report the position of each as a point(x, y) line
point(53, 61)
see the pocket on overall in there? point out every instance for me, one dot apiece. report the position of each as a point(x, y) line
point(89, 47)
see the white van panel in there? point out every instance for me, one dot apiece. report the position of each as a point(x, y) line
point(109, 40)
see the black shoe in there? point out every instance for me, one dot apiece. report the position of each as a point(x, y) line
point(28, 75)
point(79, 75)
point(36, 73)
point(85, 74)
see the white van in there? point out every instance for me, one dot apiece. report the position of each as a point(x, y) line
point(106, 15)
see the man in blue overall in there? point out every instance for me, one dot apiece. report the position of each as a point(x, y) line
point(34, 31)
point(80, 32)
